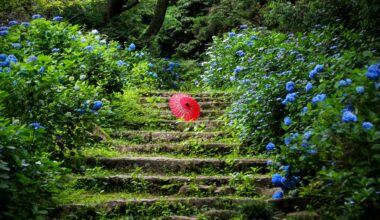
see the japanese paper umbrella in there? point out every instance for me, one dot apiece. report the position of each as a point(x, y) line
point(183, 106)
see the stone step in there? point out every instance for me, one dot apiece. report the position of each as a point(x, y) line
point(171, 185)
point(204, 125)
point(179, 206)
point(163, 165)
point(205, 114)
point(158, 136)
point(202, 105)
point(143, 207)
point(194, 95)
point(165, 99)
point(195, 148)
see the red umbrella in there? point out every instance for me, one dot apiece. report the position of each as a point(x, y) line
point(183, 106)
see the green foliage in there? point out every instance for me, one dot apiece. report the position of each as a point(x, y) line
point(56, 86)
point(334, 159)
point(304, 14)
point(25, 172)
point(257, 210)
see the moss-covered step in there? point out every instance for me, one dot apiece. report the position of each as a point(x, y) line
point(162, 136)
point(190, 148)
point(181, 185)
point(202, 105)
point(205, 114)
point(203, 125)
point(165, 99)
point(173, 165)
point(193, 94)
point(152, 208)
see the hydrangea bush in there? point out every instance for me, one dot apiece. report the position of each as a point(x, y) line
point(56, 85)
point(309, 100)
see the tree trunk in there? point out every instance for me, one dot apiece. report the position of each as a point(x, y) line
point(156, 22)
point(116, 7)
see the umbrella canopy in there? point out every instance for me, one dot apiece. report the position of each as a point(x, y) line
point(183, 106)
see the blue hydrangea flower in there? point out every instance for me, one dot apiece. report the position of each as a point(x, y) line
point(270, 146)
point(150, 65)
point(25, 24)
point(307, 135)
point(291, 97)
point(312, 74)
point(11, 23)
point(250, 44)
point(41, 70)
point(308, 87)
point(120, 63)
point(348, 81)
point(227, 46)
point(244, 26)
point(97, 105)
point(333, 47)
point(238, 69)
point(367, 125)
point(2, 33)
point(276, 180)
point(240, 53)
point(278, 195)
point(4, 28)
point(348, 117)
point(55, 50)
point(360, 90)
point(373, 72)
point(312, 151)
point(32, 58)
point(12, 59)
point(290, 86)
point(82, 77)
point(254, 37)
point(287, 121)
point(95, 31)
point(287, 141)
point(16, 45)
point(36, 125)
point(231, 34)
point(304, 110)
point(269, 162)
point(132, 47)
point(58, 18)
point(319, 68)
point(318, 98)
point(36, 16)
point(342, 83)
point(3, 57)
point(89, 47)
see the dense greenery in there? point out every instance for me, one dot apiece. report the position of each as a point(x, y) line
point(310, 99)
point(305, 77)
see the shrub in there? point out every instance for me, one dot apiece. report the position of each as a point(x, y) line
point(303, 98)
point(56, 86)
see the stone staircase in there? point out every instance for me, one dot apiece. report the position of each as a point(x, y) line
point(177, 172)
